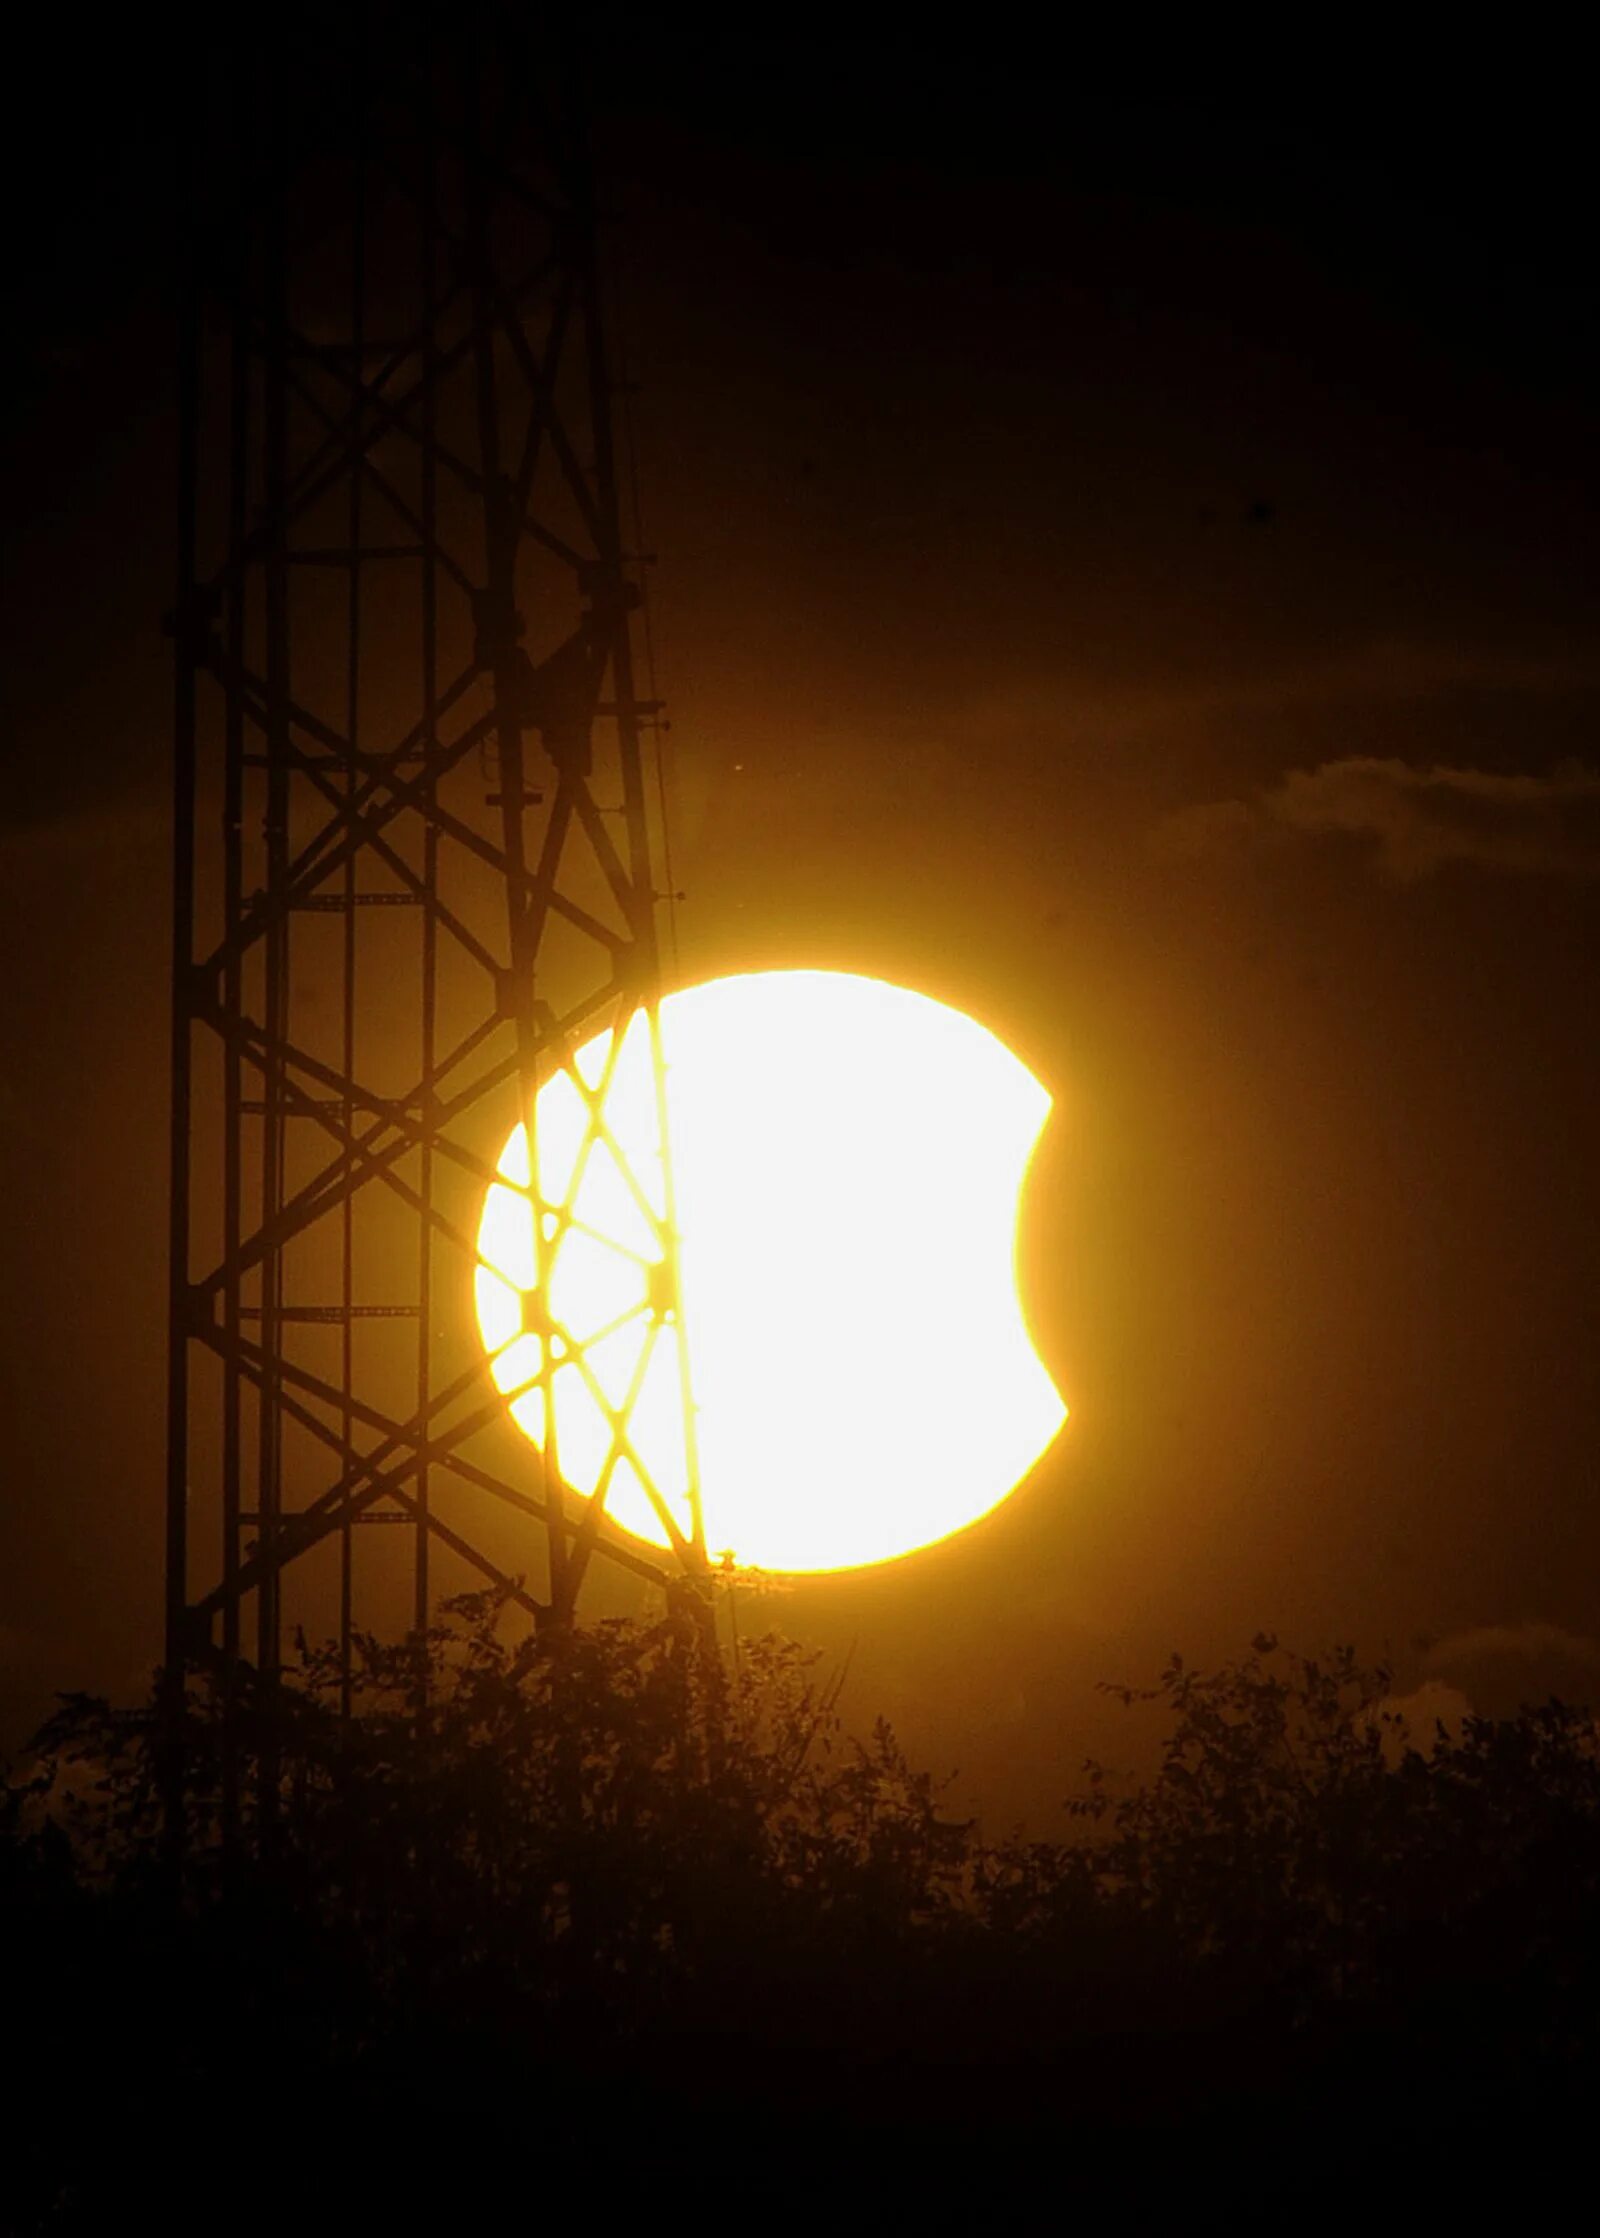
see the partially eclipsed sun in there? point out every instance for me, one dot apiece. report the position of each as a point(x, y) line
point(846, 1159)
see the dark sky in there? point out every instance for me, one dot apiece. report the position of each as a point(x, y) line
point(1126, 568)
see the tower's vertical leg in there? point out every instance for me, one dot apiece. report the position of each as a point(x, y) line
point(187, 632)
point(350, 892)
point(428, 598)
point(275, 944)
point(498, 651)
point(618, 598)
point(232, 996)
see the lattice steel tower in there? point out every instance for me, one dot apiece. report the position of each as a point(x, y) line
point(413, 868)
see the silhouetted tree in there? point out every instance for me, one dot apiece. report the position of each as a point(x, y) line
point(611, 1868)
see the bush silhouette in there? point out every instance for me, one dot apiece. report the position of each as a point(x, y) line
point(612, 1874)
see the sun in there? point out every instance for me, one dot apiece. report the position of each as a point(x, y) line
point(847, 1159)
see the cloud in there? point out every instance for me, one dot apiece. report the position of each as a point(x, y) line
point(1489, 1670)
point(1413, 818)
point(1503, 1666)
point(1397, 674)
point(1426, 1709)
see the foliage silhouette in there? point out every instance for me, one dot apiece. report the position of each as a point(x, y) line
point(617, 1877)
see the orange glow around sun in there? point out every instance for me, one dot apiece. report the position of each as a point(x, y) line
point(847, 1159)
